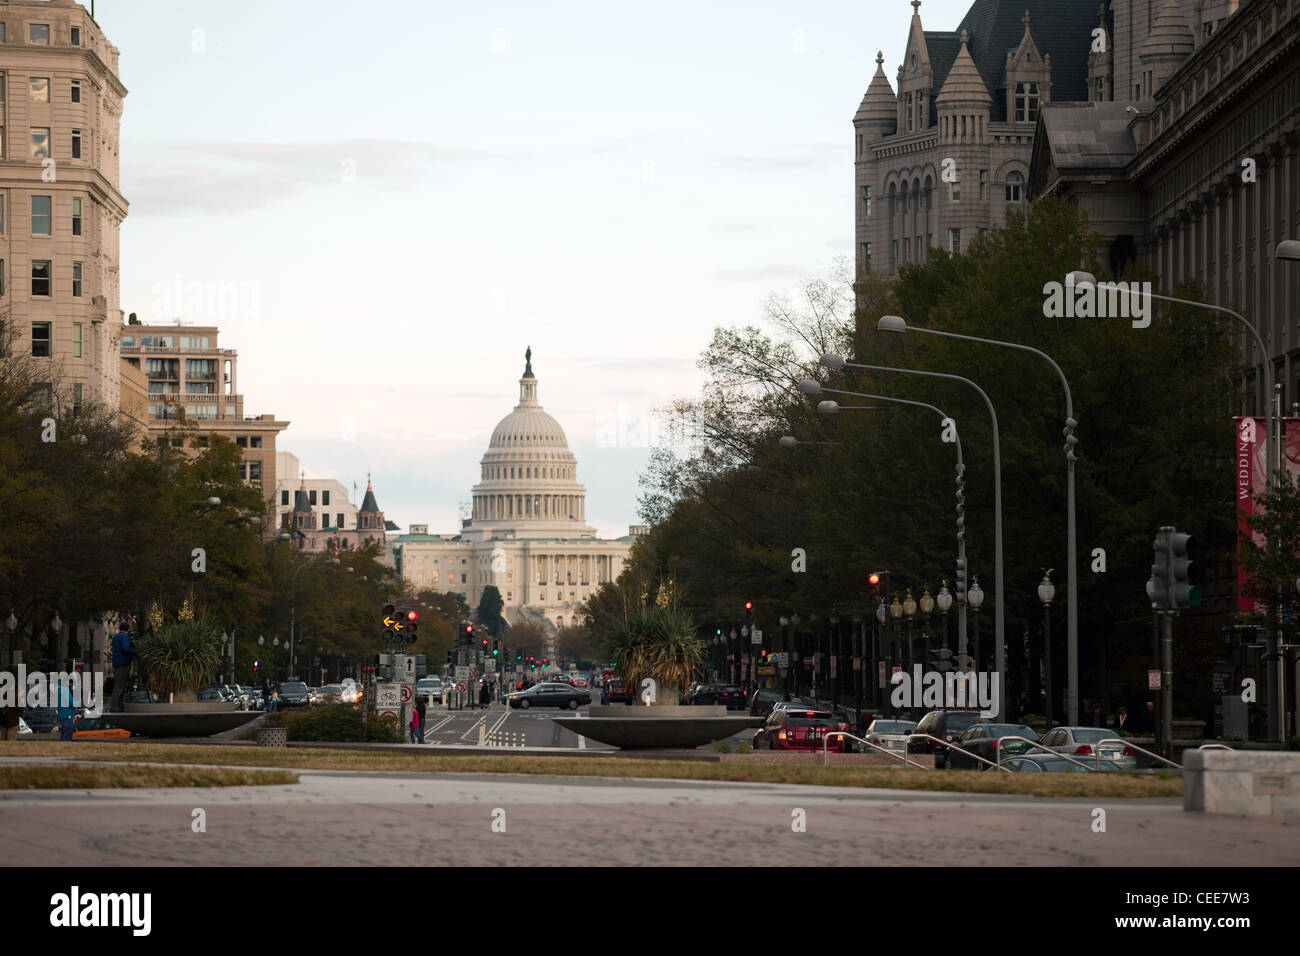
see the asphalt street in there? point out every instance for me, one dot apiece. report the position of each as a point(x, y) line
point(452, 819)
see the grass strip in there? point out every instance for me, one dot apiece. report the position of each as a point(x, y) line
point(1109, 785)
point(65, 777)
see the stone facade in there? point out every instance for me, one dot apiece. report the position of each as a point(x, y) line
point(60, 202)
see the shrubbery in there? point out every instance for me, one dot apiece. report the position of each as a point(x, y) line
point(333, 722)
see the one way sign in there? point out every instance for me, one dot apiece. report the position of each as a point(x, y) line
point(406, 668)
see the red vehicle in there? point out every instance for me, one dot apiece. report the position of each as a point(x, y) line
point(803, 730)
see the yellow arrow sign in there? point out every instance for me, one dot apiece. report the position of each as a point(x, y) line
point(397, 626)
point(390, 621)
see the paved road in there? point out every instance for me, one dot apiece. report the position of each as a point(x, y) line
point(447, 819)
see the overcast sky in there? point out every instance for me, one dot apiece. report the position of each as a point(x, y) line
point(384, 205)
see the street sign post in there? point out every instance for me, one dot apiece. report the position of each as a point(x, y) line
point(405, 667)
point(388, 696)
point(407, 692)
point(463, 672)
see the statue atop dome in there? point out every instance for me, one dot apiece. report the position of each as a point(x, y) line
point(528, 362)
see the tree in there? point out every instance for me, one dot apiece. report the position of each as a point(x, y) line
point(489, 610)
point(576, 644)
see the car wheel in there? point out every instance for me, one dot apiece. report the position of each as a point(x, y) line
point(573, 704)
point(939, 762)
point(525, 704)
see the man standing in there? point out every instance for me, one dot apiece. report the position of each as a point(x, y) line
point(9, 721)
point(123, 651)
point(66, 713)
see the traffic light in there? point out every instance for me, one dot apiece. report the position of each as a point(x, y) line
point(873, 583)
point(519, 655)
point(1158, 585)
point(496, 649)
point(749, 610)
point(412, 624)
point(257, 666)
point(1182, 593)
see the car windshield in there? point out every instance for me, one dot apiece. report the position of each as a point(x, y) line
point(893, 727)
point(1086, 735)
point(770, 695)
point(293, 688)
point(1012, 730)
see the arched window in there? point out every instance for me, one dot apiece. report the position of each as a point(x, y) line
point(1015, 187)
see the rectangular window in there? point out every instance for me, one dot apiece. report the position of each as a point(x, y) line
point(311, 496)
point(2, 33)
point(76, 144)
point(38, 33)
point(1101, 89)
point(41, 339)
point(907, 251)
point(866, 201)
point(1026, 102)
point(41, 275)
point(255, 441)
point(4, 80)
point(43, 397)
point(242, 442)
point(340, 522)
point(984, 180)
point(40, 87)
point(325, 499)
point(2, 206)
point(76, 396)
point(866, 256)
point(76, 91)
point(40, 142)
point(954, 190)
point(75, 36)
point(76, 280)
point(76, 340)
point(2, 287)
point(954, 240)
point(893, 254)
point(284, 498)
point(254, 471)
point(41, 215)
point(907, 108)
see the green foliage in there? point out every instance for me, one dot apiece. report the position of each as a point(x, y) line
point(721, 746)
point(181, 657)
point(656, 642)
point(334, 722)
point(489, 609)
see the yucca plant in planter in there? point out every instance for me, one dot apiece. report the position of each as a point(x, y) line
point(180, 658)
point(656, 642)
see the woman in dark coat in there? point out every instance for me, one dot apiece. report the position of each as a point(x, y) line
point(484, 694)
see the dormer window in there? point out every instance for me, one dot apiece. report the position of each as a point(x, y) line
point(1026, 102)
point(907, 108)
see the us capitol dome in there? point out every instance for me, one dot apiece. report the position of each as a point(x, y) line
point(527, 532)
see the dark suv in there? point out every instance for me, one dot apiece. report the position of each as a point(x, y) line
point(294, 694)
point(946, 725)
point(730, 695)
point(762, 701)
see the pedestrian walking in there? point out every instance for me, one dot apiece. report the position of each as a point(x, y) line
point(417, 734)
point(266, 695)
point(67, 712)
point(123, 653)
point(485, 694)
point(421, 708)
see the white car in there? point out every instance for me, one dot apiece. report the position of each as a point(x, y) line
point(430, 688)
point(890, 734)
point(1077, 742)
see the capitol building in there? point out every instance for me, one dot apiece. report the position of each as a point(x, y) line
point(527, 533)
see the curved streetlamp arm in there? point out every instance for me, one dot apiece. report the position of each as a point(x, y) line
point(999, 609)
point(903, 401)
point(1069, 399)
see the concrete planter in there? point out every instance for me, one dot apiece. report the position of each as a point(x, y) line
point(1244, 783)
point(193, 719)
point(272, 737)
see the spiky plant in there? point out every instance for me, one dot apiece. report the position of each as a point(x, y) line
point(656, 642)
point(180, 658)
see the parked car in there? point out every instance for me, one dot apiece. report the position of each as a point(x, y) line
point(762, 701)
point(141, 697)
point(946, 725)
point(986, 740)
point(1078, 743)
point(209, 695)
point(890, 734)
point(294, 693)
point(42, 720)
point(731, 696)
point(618, 694)
point(97, 728)
point(804, 730)
point(1049, 763)
point(329, 694)
point(549, 694)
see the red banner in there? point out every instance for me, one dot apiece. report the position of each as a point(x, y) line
point(1252, 479)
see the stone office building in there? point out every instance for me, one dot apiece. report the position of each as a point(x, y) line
point(967, 102)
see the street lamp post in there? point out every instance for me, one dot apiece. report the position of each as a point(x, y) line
point(909, 608)
point(877, 642)
point(895, 612)
point(831, 407)
point(976, 597)
point(927, 609)
point(894, 323)
point(11, 624)
point(1047, 591)
point(832, 361)
point(1288, 249)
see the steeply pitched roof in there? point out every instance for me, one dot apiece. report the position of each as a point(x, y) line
point(1088, 136)
point(943, 49)
point(1061, 29)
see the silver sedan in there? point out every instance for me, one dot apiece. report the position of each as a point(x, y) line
point(1079, 743)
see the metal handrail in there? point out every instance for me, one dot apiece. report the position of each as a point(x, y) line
point(1054, 753)
point(1126, 743)
point(1215, 747)
point(826, 754)
point(945, 743)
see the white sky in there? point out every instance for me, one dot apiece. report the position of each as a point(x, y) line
point(385, 204)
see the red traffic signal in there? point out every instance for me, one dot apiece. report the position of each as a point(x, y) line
point(412, 616)
point(873, 579)
point(469, 628)
point(749, 605)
